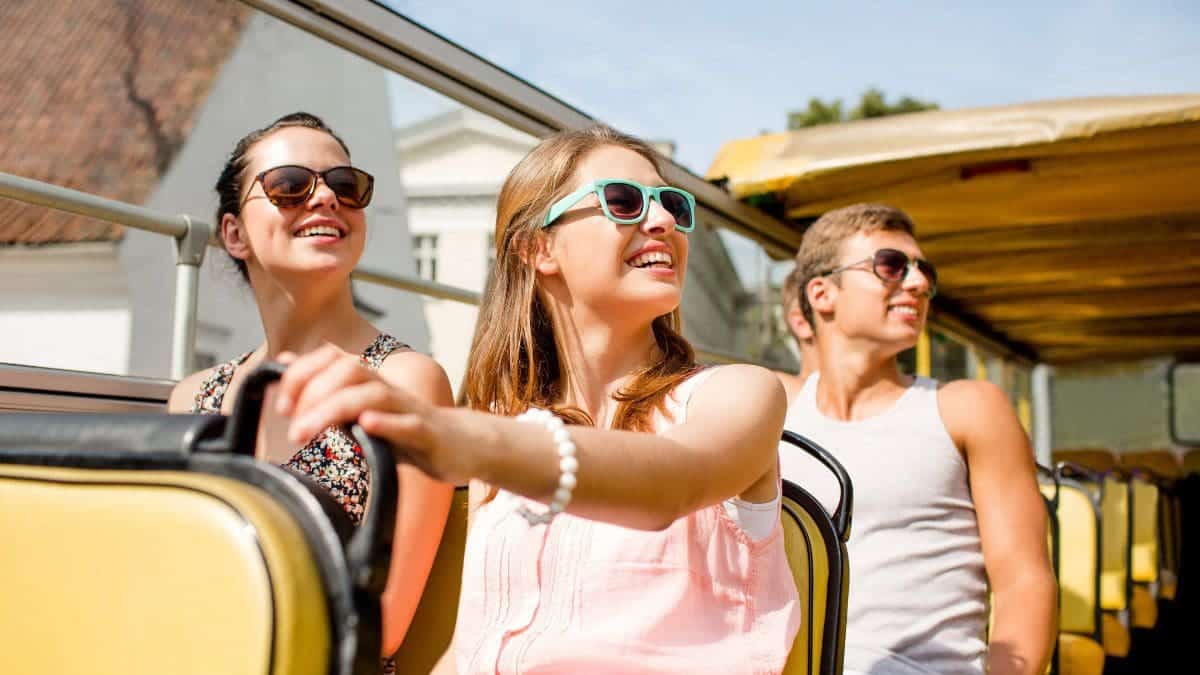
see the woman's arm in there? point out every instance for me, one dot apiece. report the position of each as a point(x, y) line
point(727, 447)
point(421, 511)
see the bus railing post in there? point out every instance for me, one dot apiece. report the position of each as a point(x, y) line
point(189, 254)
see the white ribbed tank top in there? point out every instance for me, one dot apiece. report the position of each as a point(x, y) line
point(918, 589)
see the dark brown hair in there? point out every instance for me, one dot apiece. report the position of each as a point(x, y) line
point(231, 182)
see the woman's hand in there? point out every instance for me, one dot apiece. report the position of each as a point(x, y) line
point(328, 387)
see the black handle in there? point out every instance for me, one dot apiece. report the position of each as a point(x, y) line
point(1072, 470)
point(841, 516)
point(369, 550)
point(1051, 475)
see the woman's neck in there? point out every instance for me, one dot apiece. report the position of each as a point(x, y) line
point(300, 318)
point(598, 358)
point(865, 381)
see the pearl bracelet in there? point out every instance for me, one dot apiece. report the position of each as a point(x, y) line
point(567, 464)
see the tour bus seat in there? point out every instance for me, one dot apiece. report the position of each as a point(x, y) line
point(1079, 655)
point(157, 544)
point(1115, 523)
point(1144, 552)
point(1115, 517)
point(432, 626)
point(1077, 565)
point(1191, 461)
point(1165, 469)
point(815, 541)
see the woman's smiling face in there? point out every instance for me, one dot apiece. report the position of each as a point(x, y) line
point(634, 270)
point(321, 235)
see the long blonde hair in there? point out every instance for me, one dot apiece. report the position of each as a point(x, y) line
point(516, 356)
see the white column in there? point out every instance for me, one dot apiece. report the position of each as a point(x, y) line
point(1042, 383)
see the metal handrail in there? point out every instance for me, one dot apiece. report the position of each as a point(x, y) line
point(193, 236)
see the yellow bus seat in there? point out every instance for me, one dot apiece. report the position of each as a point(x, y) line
point(1115, 587)
point(154, 572)
point(815, 542)
point(1191, 461)
point(1075, 554)
point(1079, 559)
point(1144, 555)
point(157, 544)
point(1098, 460)
point(1160, 463)
point(432, 626)
point(1079, 655)
point(1171, 521)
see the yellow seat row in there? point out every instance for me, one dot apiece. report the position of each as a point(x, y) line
point(154, 544)
point(1138, 533)
point(141, 544)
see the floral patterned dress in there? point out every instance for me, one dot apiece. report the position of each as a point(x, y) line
point(333, 458)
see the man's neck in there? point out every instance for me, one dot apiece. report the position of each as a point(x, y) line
point(857, 380)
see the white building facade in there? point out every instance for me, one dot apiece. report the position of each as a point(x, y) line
point(452, 167)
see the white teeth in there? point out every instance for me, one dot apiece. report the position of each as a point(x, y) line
point(652, 258)
point(319, 231)
point(905, 309)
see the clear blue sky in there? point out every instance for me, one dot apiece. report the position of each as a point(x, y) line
point(704, 72)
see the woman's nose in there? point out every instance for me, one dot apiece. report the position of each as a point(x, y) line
point(323, 196)
point(658, 221)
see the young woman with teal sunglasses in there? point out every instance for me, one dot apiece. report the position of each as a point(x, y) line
point(627, 520)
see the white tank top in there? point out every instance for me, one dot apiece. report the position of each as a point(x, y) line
point(918, 589)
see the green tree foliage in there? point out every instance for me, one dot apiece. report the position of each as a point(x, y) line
point(873, 103)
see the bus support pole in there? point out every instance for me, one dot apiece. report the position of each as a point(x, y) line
point(189, 254)
point(1042, 382)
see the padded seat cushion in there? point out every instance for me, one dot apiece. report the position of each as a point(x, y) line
point(1143, 607)
point(155, 572)
point(1116, 636)
point(805, 651)
point(1078, 561)
point(1078, 655)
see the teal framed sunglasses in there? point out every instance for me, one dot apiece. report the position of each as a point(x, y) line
point(626, 202)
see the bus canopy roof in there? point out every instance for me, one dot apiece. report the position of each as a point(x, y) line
point(1070, 229)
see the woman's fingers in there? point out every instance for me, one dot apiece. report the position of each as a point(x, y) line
point(408, 433)
point(340, 407)
point(299, 373)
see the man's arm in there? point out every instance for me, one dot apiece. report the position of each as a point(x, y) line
point(1012, 525)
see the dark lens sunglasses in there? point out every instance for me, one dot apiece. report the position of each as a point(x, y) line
point(290, 186)
point(626, 202)
point(892, 267)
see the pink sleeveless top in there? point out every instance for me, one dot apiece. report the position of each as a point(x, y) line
point(582, 596)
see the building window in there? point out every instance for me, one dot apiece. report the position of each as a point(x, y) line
point(425, 255)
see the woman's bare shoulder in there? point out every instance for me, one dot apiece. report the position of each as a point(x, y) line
point(183, 395)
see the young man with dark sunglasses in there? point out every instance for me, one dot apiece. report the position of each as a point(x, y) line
point(946, 504)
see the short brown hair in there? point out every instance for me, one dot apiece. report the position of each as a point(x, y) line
point(822, 244)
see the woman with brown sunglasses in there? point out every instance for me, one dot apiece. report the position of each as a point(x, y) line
point(291, 218)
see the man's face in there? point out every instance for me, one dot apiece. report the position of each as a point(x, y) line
point(866, 306)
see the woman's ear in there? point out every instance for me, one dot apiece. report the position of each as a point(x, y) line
point(544, 261)
point(233, 236)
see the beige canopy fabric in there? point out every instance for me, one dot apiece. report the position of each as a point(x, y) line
point(1071, 229)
